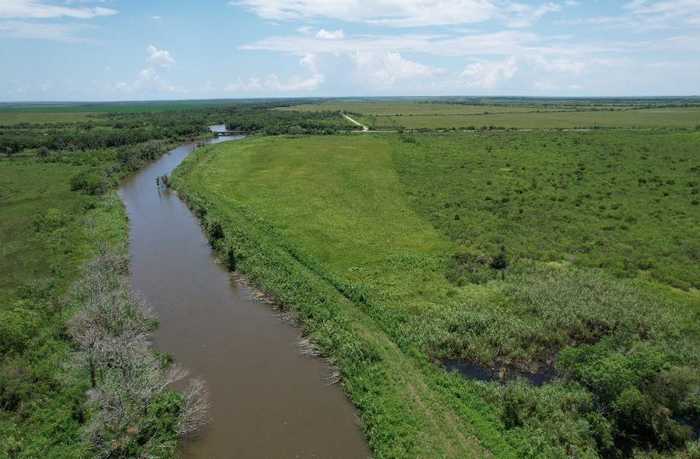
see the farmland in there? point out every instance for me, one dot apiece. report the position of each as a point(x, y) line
point(528, 252)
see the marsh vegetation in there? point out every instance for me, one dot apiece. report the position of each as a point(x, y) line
point(550, 248)
point(568, 253)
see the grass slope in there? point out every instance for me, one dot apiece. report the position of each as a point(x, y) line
point(358, 233)
point(312, 220)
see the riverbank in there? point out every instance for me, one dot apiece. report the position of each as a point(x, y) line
point(394, 265)
point(405, 409)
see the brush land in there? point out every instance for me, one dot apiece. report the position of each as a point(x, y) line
point(515, 113)
point(556, 269)
point(58, 211)
point(569, 256)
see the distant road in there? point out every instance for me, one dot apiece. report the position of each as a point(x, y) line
point(364, 128)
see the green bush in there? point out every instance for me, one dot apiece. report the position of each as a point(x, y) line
point(18, 325)
point(89, 182)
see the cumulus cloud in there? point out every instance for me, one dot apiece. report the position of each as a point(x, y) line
point(159, 57)
point(33, 9)
point(330, 34)
point(273, 83)
point(386, 69)
point(400, 13)
point(149, 78)
point(488, 75)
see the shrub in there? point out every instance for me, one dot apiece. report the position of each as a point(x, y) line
point(18, 325)
point(89, 182)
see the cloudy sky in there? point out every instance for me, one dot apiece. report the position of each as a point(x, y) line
point(184, 49)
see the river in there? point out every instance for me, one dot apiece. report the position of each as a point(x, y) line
point(267, 399)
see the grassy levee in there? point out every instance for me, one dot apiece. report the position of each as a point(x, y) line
point(386, 247)
point(409, 407)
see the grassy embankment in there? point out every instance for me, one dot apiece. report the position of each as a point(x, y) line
point(386, 247)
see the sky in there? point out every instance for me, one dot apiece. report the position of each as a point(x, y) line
point(94, 50)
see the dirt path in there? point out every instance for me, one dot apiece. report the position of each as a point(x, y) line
point(355, 122)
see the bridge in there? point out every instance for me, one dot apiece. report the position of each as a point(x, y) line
point(227, 133)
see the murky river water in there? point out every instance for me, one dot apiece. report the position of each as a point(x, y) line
point(268, 400)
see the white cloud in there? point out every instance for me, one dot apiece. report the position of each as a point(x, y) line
point(498, 43)
point(330, 34)
point(274, 84)
point(386, 69)
point(33, 9)
point(489, 74)
point(159, 57)
point(149, 78)
point(400, 13)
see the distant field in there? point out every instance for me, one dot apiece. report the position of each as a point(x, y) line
point(642, 118)
point(392, 242)
point(109, 107)
point(411, 108)
point(420, 115)
point(9, 118)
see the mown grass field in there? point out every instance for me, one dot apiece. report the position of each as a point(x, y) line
point(424, 115)
point(387, 247)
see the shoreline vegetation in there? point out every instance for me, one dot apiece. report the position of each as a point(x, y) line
point(77, 375)
point(554, 238)
point(131, 406)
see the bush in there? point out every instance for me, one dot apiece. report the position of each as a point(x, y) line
point(643, 396)
point(89, 182)
point(17, 327)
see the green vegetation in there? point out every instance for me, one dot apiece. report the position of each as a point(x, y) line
point(516, 113)
point(9, 118)
point(57, 211)
point(527, 252)
point(566, 257)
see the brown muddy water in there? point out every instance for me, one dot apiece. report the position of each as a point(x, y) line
point(267, 399)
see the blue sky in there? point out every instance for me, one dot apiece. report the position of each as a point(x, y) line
point(185, 49)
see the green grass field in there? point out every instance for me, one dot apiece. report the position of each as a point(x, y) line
point(436, 115)
point(386, 247)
